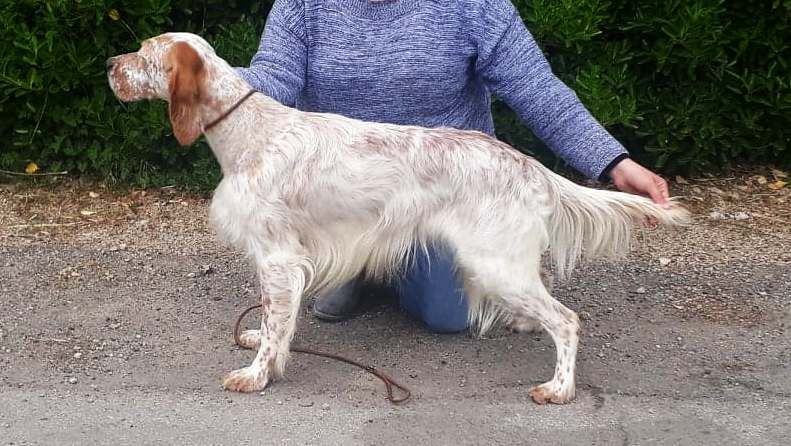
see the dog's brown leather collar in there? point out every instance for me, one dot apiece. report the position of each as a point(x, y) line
point(229, 111)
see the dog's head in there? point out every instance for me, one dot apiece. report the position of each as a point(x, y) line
point(170, 67)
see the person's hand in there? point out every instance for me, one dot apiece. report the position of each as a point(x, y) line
point(628, 176)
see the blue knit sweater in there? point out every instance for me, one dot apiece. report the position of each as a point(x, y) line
point(433, 63)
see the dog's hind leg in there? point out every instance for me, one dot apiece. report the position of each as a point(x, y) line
point(563, 325)
point(517, 284)
point(283, 280)
point(519, 322)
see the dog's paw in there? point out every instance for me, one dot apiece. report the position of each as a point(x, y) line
point(551, 392)
point(524, 325)
point(248, 379)
point(250, 339)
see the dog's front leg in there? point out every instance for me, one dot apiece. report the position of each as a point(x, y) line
point(283, 282)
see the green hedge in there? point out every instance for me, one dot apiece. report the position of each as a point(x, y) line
point(686, 85)
point(56, 108)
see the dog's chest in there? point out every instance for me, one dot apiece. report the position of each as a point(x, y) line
point(240, 215)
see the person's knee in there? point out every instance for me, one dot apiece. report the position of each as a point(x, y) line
point(432, 292)
point(442, 304)
point(452, 321)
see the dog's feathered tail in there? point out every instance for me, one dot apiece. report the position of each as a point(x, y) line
point(594, 223)
point(584, 223)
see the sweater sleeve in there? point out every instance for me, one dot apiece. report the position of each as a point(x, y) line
point(278, 68)
point(514, 68)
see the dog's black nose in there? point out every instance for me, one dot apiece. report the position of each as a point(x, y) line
point(108, 64)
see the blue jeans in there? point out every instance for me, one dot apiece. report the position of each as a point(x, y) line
point(432, 292)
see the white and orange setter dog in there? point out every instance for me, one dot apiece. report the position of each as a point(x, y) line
point(317, 199)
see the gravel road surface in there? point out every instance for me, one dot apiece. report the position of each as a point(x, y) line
point(116, 312)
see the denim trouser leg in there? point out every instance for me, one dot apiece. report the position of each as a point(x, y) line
point(431, 291)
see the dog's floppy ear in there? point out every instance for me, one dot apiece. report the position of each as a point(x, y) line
point(186, 90)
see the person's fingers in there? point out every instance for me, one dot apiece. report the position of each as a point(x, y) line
point(656, 194)
point(641, 181)
point(626, 186)
point(664, 190)
point(639, 186)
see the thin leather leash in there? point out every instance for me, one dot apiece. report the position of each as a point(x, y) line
point(387, 380)
point(229, 111)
